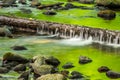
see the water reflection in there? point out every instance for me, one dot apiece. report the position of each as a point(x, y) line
point(106, 48)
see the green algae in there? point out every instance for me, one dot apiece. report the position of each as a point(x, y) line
point(65, 53)
point(72, 16)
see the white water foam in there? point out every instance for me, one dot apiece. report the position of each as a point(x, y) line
point(76, 41)
point(81, 42)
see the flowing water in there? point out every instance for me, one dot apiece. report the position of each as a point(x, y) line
point(68, 50)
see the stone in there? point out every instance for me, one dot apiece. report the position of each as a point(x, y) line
point(24, 75)
point(107, 14)
point(49, 12)
point(52, 77)
point(103, 69)
point(68, 65)
point(76, 75)
point(9, 57)
point(86, 1)
point(20, 67)
point(8, 2)
point(52, 61)
point(3, 70)
point(108, 3)
point(35, 3)
point(5, 31)
point(9, 64)
point(42, 70)
point(84, 60)
point(70, 6)
point(112, 75)
point(22, 1)
point(65, 73)
point(19, 48)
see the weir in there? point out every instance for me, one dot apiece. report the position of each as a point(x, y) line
point(62, 30)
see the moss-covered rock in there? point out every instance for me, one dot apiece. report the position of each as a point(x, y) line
point(108, 3)
point(107, 14)
point(52, 77)
point(14, 57)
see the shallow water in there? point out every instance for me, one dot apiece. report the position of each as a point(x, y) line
point(101, 55)
point(66, 50)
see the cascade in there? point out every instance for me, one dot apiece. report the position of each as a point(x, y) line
point(62, 30)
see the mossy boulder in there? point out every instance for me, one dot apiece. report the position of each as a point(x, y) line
point(14, 57)
point(108, 3)
point(86, 1)
point(52, 77)
point(107, 14)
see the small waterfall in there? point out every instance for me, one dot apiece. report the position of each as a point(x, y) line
point(63, 30)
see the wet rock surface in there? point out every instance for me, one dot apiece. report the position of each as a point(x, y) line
point(103, 69)
point(19, 48)
point(107, 14)
point(52, 77)
point(49, 12)
point(20, 67)
point(68, 65)
point(84, 60)
point(3, 70)
point(52, 61)
point(113, 75)
point(76, 75)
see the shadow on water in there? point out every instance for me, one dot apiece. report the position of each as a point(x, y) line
point(106, 48)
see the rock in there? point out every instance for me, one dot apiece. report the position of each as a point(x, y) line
point(35, 3)
point(27, 11)
point(20, 67)
point(9, 57)
point(24, 76)
point(65, 73)
point(9, 2)
point(39, 60)
point(10, 64)
point(70, 6)
point(108, 3)
point(107, 14)
point(84, 60)
point(19, 48)
point(52, 61)
point(76, 75)
point(103, 69)
point(52, 77)
point(3, 70)
point(5, 31)
point(49, 12)
point(22, 1)
point(112, 75)
point(68, 65)
point(86, 1)
point(42, 70)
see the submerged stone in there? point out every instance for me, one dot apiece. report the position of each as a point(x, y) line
point(86, 1)
point(52, 61)
point(49, 12)
point(19, 48)
point(68, 65)
point(112, 75)
point(103, 69)
point(76, 75)
point(84, 60)
point(107, 14)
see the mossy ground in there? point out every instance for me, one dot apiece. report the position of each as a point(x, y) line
point(62, 52)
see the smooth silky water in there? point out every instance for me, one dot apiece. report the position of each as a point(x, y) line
point(67, 50)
